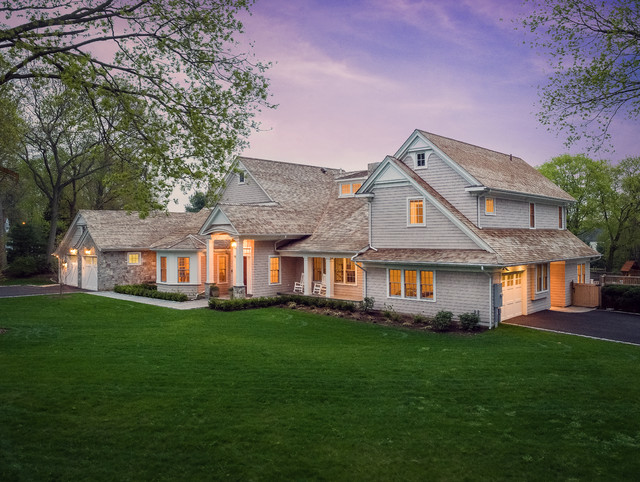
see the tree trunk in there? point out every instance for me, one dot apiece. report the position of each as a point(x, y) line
point(53, 228)
point(3, 239)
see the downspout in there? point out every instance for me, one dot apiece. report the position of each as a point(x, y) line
point(490, 275)
point(364, 270)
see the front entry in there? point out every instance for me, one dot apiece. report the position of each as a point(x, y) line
point(511, 295)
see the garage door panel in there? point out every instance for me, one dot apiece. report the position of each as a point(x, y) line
point(90, 273)
point(511, 295)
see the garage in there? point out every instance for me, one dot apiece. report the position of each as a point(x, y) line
point(511, 295)
point(70, 271)
point(90, 273)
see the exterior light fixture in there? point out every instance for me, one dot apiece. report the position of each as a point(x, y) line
point(233, 244)
point(73, 251)
point(87, 251)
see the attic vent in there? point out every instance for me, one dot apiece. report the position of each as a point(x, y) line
point(323, 170)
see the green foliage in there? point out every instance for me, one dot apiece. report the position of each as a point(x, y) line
point(367, 303)
point(469, 321)
point(289, 300)
point(196, 202)
point(389, 312)
point(420, 319)
point(24, 266)
point(621, 297)
point(149, 291)
point(26, 240)
point(593, 49)
point(442, 321)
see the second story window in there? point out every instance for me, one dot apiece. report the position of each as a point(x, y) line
point(560, 217)
point(416, 212)
point(241, 177)
point(490, 206)
point(421, 160)
point(532, 215)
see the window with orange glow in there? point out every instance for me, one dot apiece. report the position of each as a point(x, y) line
point(395, 282)
point(416, 212)
point(183, 270)
point(163, 268)
point(274, 270)
point(489, 206)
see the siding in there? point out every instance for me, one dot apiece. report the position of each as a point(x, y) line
point(559, 285)
point(261, 252)
point(509, 214)
point(249, 192)
point(345, 291)
point(546, 216)
point(389, 223)
point(535, 305)
point(456, 291)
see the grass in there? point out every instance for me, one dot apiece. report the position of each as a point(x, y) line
point(41, 279)
point(98, 389)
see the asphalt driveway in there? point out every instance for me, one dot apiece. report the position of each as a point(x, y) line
point(603, 324)
point(31, 290)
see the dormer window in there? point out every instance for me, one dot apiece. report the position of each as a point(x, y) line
point(490, 206)
point(421, 160)
point(241, 177)
point(348, 189)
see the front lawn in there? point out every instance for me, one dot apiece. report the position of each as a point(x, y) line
point(39, 280)
point(98, 389)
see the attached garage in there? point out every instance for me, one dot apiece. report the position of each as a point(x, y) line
point(511, 294)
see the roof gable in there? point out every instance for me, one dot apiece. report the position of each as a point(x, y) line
point(219, 221)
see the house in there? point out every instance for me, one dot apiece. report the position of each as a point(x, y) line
point(440, 225)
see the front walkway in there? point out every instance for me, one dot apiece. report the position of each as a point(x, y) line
point(176, 305)
point(600, 324)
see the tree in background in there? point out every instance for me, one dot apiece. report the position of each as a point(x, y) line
point(196, 202)
point(594, 52)
point(179, 58)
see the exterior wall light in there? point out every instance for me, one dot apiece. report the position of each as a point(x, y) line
point(73, 251)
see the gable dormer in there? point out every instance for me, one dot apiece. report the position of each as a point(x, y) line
point(241, 187)
point(349, 183)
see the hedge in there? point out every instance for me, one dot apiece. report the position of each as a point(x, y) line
point(621, 297)
point(149, 291)
point(263, 302)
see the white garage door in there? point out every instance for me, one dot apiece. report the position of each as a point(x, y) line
point(511, 295)
point(70, 272)
point(90, 273)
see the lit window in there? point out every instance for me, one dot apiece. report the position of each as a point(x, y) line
point(274, 270)
point(163, 269)
point(222, 268)
point(344, 271)
point(355, 187)
point(241, 177)
point(416, 212)
point(395, 282)
point(532, 215)
point(489, 206)
point(345, 189)
point(183, 270)
point(542, 278)
point(350, 271)
point(318, 269)
point(410, 284)
point(421, 160)
point(133, 258)
point(426, 285)
point(582, 273)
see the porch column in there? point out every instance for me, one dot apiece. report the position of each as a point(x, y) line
point(239, 290)
point(327, 264)
point(210, 250)
point(307, 275)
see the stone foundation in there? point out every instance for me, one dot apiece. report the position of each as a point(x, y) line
point(190, 290)
point(239, 292)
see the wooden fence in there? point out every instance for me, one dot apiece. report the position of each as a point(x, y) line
point(608, 279)
point(585, 294)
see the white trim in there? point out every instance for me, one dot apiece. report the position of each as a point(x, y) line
point(344, 272)
point(402, 296)
point(535, 281)
point(129, 253)
point(279, 270)
point(426, 157)
point(487, 213)
point(424, 212)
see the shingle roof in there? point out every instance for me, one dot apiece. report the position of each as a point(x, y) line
point(179, 241)
point(114, 230)
point(435, 256)
point(496, 170)
point(352, 175)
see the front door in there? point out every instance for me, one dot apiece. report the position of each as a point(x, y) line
point(511, 295)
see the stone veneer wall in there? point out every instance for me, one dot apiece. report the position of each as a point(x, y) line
point(114, 270)
point(190, 290)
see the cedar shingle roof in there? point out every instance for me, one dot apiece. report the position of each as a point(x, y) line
point(435, 256)
point(496, 170)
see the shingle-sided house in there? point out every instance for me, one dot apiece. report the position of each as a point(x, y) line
point(440, 225)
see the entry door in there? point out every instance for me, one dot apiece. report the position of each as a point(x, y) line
point(511, 295)
point(90, 273)
point(71, 272)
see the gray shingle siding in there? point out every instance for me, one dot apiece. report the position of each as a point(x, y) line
point(247, 193)
point(389, 223)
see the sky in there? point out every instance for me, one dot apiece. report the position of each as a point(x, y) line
point(353, 79)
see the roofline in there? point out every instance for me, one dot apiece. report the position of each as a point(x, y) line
point(489, 190)
point(437, 263)
point(239, 161)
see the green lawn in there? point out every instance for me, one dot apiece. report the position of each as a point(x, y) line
point(97, 389)
point(41, 279)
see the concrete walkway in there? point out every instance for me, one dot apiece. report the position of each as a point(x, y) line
point(176, 305)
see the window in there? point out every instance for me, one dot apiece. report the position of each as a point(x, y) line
point(163, 269)
point(582, 273)
point(489, 206)
point(395, 282)
point(412, 284)
point(223, 268)
point(560, 217)
point(532, 215)
point(134, 258)
point(542, 278)
point(274, 270)
point(421, 160)
point(183, 270)
point(345, 189)
point(344, 271)
point(355, 186)
point(241, 177)
point(416, 212)
point(318, 269)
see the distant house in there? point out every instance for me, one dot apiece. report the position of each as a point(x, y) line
point(440, 225)
point(630, 268)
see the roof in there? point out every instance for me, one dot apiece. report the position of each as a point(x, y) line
point(181, 242)
point(118, 230)
point(630, 265)
point(496, 170)
point(435, 256)
point(352, 175)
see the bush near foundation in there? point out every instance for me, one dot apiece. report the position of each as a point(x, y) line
point(149, 291)
point(442, 321)
point(469, 321)
point(291, 300)
point(621, 297)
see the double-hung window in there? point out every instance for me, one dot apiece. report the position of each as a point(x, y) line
point(163, 269)
point(344, 271)
point(183, 270)
point(274, 270)
point(542, 278)
point(412, 284)
point(421, 160)
point(415, 212)
point(490, 206)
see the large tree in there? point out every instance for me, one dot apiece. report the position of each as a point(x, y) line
point(179, 57)
point(593, 49)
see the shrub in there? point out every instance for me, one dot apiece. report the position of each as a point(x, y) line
point(149, 291)
point(389, 312)
point(420, 319)
point(469, 321)
point(442, 320)
point(23, 266)
point(367, 303)
point(621, 297)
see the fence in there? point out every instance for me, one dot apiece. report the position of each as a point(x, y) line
point(585, 294)
point(608, 279)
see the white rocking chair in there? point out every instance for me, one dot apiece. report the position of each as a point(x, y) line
point(298, 286)
point(320, 288)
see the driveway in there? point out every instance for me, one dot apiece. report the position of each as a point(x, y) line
point(607, 325)
point(31, 290)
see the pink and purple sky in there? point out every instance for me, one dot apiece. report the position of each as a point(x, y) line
point(353, 79)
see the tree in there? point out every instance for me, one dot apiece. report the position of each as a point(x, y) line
point(180, 58)
point(196, 202)
point(581, 177)
point(594, 52)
